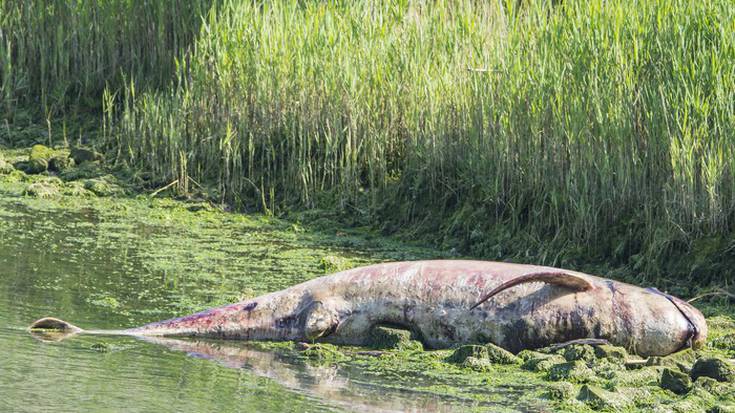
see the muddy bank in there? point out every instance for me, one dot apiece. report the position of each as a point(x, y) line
point(199, 256)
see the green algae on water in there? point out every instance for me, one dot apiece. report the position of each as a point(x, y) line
point(135, 259)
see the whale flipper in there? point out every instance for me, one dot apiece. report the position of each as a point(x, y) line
point(573, 282)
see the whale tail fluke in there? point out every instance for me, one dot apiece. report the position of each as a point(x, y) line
point(53, 329)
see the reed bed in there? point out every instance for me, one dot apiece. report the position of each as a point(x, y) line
point(58, 56)
point(593, 130)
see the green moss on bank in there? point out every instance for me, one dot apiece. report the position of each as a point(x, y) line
point(205, 257)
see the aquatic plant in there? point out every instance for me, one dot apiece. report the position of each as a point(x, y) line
point(592, 128)
point(57, 56)
point(123, 261)
point(559, 133)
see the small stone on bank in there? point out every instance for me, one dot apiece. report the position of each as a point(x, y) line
point(572, 371)
point(579, 352)
point(384, 337)
point(81, 155)
point(489, 352)
point(60, 163)
point(42, 190)
point(610, 352)
point(682, 360)
point(539, 362)
point(676, 381)
point(598, 398)
point(560, 391)
point(36, 166)
point(715, 368)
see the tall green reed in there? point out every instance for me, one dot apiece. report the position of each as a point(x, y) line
point(597, 126)
point(58, 56)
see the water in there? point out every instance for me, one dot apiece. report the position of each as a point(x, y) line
point(114, 264)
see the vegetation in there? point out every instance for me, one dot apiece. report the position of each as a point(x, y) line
point(58, 56)
point(116, 262)
point(569, 134)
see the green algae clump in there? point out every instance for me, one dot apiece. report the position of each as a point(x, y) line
point(676, 381)
point(606, 351)
point(100, 347)
point(539, 362)
point(682, 360)
point(86, 170)
point(726, 342)
point(40, 152)
point(572, 371)
point(489, 352)
point(560, 391)
point(715, 368)
point(606, 368)
point(81, 155)
point(477, 364)
point(38, 159)
point(579, 352)
point(5, 167)
point(102, 187)
point(711, 386)
point(42, 190)
point(323, 353)
point(75, 189)
point(385, 337)
point(462, 353)
point(60, 163)
point(331, 264)
point(597, 398)
point(37, 166)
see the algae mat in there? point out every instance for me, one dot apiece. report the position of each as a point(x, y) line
point(118, 262)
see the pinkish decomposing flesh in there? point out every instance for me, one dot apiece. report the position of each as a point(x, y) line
point(446, 303)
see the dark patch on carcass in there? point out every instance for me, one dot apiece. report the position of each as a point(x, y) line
point(536, 327)
point(597, 329)
point(288, 321)
point(578, 325)
point(521, 335)
point(250, 306)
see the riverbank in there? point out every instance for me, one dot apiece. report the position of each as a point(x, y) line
point(703, 269)
point(560, 134)
point(189, 254)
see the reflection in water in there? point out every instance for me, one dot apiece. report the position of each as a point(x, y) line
point(328, 383)
point(122, 266)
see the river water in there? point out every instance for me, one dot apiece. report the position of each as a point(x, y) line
point(123, 263)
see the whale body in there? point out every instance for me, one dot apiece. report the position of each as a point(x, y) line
point(447, 303)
